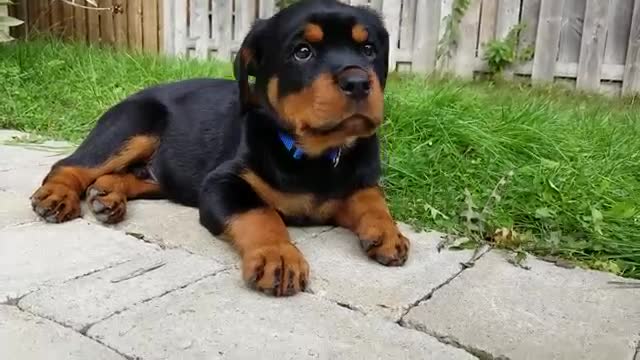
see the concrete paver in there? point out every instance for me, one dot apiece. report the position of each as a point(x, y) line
point(219, 319)
point(39, 254)
point(340, 271)
point(26, 337)
point(15, 209)
point(543, 313)
point(81, 302)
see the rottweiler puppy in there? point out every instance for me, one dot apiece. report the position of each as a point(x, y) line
point(297, 145)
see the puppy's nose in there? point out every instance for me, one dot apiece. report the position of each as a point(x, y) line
point(354, 82)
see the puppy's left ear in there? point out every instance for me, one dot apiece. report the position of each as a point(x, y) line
point(248, 60)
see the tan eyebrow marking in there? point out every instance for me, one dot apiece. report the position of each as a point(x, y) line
point(313, 33)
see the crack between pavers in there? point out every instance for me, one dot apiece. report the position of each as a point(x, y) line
point(14, 301)
point(452, 341)
point(463, 267)
point(85, 329)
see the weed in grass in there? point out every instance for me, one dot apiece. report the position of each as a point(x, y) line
point(574, 196)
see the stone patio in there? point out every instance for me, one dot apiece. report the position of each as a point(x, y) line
point(158, 286)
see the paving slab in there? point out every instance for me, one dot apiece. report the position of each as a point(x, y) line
point(24, 336)
point(546, 312)
point(220, 319)
point(81, 302)
point(15, 209)
point(42, 254)
point(340, 271)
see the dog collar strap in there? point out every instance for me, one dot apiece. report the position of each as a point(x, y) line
point(297, 153)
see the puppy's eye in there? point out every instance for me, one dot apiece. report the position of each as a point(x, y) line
point(369, 50)
point(302, 52)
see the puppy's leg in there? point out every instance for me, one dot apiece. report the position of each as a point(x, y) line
point(270, 262)
point(108, 196)
point(126, 134)
point(366, 214)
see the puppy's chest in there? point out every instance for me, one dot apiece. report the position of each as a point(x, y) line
point(295, 205)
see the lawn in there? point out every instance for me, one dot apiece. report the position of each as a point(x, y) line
point(558, 170)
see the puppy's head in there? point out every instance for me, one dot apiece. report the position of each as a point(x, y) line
point(321, 67)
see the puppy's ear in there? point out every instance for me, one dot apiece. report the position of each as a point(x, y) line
point(248, 59)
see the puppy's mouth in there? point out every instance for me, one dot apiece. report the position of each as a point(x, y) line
point(353, 125)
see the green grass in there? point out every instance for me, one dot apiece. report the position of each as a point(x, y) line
point(575, 189)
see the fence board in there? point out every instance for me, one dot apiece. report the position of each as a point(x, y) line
point(180, 27)
point(631, 79)
point(266, 8)
point(134, 18)
point(106, 23)
point(245, 11)
point(571, 33)
point(529, 16)
point(391, 12)
point(426, 29)
point(93, 26)
point(407, 23)
point(619, 24)
point(223, 12)
point(57, 18)
point(488, 15)
point(68, 21)
point(592, 47)
point(80, 23)
point(121, 26)
point(44, 16)
point(467, 41)
point(548, 38)
point(168, 26)
point(201, 25)
point(150, 25)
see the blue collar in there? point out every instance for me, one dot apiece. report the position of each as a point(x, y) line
point(333, 155)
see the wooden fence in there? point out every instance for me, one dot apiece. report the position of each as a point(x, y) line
point(135, 24)
point(606, 58)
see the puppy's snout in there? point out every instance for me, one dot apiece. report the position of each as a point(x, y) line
point(355, 83)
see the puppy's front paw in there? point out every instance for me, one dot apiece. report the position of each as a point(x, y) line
point(385, 244)
point(278, 270)
point(56, 203)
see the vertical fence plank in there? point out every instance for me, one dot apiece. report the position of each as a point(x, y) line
point(426, 29)
point(45, 15)
point(121, 26)
point(407, 23)
point(93, 25)
point(150, 26)
point(571, 33)
point(391, 14)
point(631, 78)
point(80, 23)
point(180, 27)
point(106, 23)
point(465, 54)
point(67, 20)
point(376, 5)
point(201, 27)
point(619, 23)
point(547, 40)
point(529, 17)
point(508, 17)
point(592, 47)
point(168, 26)
point(134, 18)
point(266, 9)
point(245, 10)
point(57, 18)
point(223, 11)
point(488, 20)
point(33, 11)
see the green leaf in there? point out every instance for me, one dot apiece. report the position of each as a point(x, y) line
point(621, 210)
point(545, 213)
